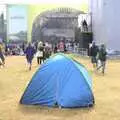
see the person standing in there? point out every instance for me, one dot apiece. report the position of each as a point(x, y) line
point(40, 53)
point(102, 57)
point(30, 51)
point(55, 48)
point(48, 51)
point(61, 46)
point(85, 26)
point(23, 46)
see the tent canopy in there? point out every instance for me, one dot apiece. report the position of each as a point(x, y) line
point(62, 81)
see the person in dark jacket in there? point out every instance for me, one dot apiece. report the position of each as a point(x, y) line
point(102, 57)
point(94, 51)
point(30, 51)
point(55, 48)
point(2, 58)
point(85, 26)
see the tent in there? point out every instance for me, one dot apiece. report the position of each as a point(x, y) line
point(60, 81)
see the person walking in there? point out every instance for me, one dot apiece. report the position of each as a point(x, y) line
point(30, 51)
point(93, 53)
point(2, 58)
point(102, 58)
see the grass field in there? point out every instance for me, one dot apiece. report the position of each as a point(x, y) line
point(15, 77)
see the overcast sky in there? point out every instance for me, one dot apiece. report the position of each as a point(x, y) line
point(42, 1)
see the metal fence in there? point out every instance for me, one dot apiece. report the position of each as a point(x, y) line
point(80, 51)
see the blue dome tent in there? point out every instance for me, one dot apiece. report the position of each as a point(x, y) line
point(62, 81)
